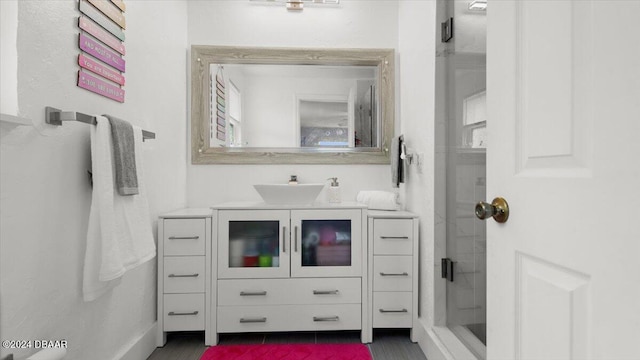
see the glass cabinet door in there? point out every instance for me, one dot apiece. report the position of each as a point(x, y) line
point(253, 243)
point(326, 243)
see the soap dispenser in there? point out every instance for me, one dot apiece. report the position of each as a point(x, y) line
point(334, 190)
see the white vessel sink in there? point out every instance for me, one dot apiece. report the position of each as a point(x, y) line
point(284, 194)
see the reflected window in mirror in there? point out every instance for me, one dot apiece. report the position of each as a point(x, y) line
point(235, 115)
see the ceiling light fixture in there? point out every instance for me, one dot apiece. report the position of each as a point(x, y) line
point(298, 5)
point(295, 5)
point(478, 5)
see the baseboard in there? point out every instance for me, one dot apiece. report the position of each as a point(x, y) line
point(141, 347)
point(440, 343)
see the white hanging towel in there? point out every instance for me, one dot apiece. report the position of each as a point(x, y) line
point(119, 237)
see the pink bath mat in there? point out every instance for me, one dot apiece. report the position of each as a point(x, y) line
point(288, 352)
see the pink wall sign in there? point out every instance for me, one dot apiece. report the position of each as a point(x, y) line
point(120, 4)
point(101, 52)
point(99, 33)
point(101, 19)
point(109, 9)
point(98, 86)
point(97, 68)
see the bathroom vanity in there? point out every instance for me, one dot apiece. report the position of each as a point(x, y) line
point(246, 267)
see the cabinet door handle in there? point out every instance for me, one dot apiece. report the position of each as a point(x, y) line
point(284, 239)
point(253, 293)
point(173, 313)
point(184, 237)
point(394, 274)
point(393, 311)
point(326, 318)
point(295, 238)
point(395, 237)
point(325, 292)
point(253, 320)
point(183, 276)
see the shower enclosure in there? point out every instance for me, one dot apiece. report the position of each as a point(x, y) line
point(461, 111)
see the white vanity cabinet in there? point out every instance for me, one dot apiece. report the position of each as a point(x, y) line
point(393, 269)
point(184, 272)
point(260, 268)
point(289, 268)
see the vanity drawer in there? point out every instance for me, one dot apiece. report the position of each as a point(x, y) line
point(289, 318)
point(183, 312)
point(184, 274)
point(289, 291)
point(392, 273)
point(393, 237)
point(392, 309)
point(184, 236)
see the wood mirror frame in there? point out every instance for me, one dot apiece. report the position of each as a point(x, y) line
point(202, 56)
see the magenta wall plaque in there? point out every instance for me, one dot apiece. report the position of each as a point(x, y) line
point(99, 33)
point(100, 87)
point(97, 68)
point(101, 52)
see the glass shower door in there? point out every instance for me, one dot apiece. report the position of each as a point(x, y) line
point(461, 65)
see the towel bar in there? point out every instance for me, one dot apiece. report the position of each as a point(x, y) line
point(55, 116)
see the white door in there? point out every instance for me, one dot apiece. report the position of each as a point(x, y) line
point(564, 107)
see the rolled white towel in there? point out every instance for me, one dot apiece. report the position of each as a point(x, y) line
point(378, 200)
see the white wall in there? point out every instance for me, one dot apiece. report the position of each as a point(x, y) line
point(9, 63)
point(352, 24)
point(417, 93)
point(470, 28)
point(44, 186)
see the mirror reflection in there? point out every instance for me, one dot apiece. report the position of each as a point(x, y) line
point(256, 105)
point(293, 106)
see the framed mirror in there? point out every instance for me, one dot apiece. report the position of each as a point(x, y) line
point(291, 106)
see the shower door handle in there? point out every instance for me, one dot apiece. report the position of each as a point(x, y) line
point(498, 209)
point(446, 269)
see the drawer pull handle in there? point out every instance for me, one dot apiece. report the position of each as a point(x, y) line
point(183, 276)
point(253, 320)
point(253, 293)
point(326, 318)
point(326, 292)
point(184, 237)
point(395, 237)
point(394, 274)
point(393, 311)
point(172, 313)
